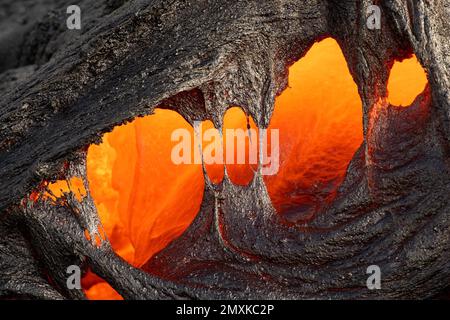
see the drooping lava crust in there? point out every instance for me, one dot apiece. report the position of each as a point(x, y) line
point(392, 207)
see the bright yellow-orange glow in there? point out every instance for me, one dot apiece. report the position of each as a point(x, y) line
point(144, 200)
point(102, 291)
point(75, 185)
point(406, 81)
point(320, 120)
point(98, 289)
point(239, 173)
point(141, 195)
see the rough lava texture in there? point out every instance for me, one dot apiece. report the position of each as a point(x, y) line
point(62, 89)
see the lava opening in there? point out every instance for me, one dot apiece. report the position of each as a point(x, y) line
point(320, 120)
point(407, 80)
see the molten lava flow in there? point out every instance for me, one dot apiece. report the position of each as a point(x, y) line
point(320, 121)
point(230, 148)
point(58, 188)
point(144, 200)
point(406, 80)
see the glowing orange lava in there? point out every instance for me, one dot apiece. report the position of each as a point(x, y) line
point(320, 120)
point(406, 80)
point(141, 195)
point(61, 186)
point(144, 200)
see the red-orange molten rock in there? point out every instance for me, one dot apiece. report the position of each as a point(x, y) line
point(144, 200)
point(407, 79)
point(320, 120)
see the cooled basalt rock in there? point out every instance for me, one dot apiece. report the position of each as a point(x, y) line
point(198, 58)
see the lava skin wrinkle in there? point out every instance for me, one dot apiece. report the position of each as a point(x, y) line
point(363, 175)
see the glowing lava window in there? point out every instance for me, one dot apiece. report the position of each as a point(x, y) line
point(406, 80)
point(319, 117)
point(144, 199)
